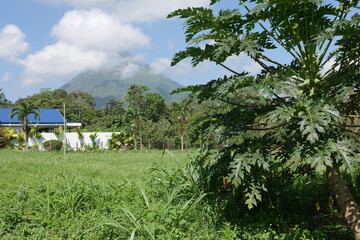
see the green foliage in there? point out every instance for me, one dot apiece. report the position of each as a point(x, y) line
point(20, 141)
point(153, 123)
point(7, 134)
point(290, 119)
point(86, 196)
point(120, 141)
point(53, 145)
point(94, 143)
point(59, 131)
point(159, 135)
point(34, 132)
point(3, 101)
point(22, 110)
point(80, 134)
point(71, 204)
point(2, 140)
point(161, 219)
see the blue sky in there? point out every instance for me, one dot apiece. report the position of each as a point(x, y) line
point(44, 43)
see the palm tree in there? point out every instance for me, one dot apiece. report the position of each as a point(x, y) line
point(136, 115)
point(23, 110)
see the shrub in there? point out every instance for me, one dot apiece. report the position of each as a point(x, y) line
point(2, 139)
point(7, 136)
point(122, 140)
point(53, 145)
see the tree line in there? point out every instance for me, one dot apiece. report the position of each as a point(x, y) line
point(143, 116)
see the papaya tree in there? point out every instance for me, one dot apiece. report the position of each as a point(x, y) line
point(292, 118)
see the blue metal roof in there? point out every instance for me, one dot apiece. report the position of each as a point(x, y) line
point(47, 116)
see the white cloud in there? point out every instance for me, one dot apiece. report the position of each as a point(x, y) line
point(5, 78)
point(242, 63)
point(91, 38)
point(95, 29)
point(252, 67)
point(205, 67)
point(146, 10)
point(163, 65)
point(130, 70)
point(12, 42)
point(59, 60)
point(160, 65)
point(328, 66)
point(181, 69)
point(171, 44)
point(87, 40)
point(134, 10)
point(87, 4)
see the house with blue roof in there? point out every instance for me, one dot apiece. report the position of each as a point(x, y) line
point(50, 118)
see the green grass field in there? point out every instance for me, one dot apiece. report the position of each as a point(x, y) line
point(140, 195)
point(98, 195)
point(24, 168)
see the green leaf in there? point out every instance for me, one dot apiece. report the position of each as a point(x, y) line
point(253, 195)
point(344, 151)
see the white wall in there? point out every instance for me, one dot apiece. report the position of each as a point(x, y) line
point(73, 140)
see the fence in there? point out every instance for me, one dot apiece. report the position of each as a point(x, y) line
point(73, 140)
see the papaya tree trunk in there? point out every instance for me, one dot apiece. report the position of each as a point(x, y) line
point(141, 142)
point(135, 141)
point(345, 200)
point(135, 133)
point(182, 142)
point(140, 135)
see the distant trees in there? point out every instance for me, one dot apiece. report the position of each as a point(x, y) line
point(80, 106)
point(144, 115)
point(179, 112)
point(143, 106)
point(3, 101)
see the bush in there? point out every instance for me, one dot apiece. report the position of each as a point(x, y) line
point(119, 141)
point(53, 145)
point(2, 139)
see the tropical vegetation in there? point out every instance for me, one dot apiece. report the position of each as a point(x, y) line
point(22, 110)
point(290, 120)
point(278, 151)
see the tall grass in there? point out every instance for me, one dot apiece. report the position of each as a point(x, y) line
point(19, 167)
point(98, 196)
point(137, 195)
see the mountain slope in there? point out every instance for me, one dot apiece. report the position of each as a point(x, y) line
point(114, 83)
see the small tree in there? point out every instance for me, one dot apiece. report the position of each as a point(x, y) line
point(290, 119)
point(179, 112)
point(93, 138)
point(35, 134)
point(22, 110)
point(136, 117)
